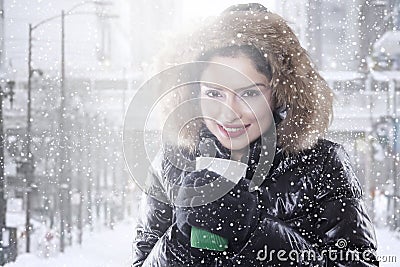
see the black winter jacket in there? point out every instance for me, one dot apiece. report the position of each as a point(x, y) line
point(312, 214)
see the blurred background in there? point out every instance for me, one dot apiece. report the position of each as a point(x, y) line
point(69, 69)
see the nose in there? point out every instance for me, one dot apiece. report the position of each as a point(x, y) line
point(232, 110)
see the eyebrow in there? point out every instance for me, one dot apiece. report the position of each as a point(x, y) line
point(237, 89)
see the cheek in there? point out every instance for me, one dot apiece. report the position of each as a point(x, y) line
point(256, 110)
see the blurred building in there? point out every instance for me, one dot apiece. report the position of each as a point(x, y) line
point(339, 34)
point(349, 41)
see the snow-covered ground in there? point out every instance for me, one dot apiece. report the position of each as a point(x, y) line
point(388, 247)
point(113, 248)
point(100, 248)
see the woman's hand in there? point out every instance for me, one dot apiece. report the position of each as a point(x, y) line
point(233, 216)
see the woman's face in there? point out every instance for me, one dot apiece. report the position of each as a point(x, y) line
point(236, 109)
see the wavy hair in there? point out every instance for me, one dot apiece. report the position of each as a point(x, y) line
point(298, 88)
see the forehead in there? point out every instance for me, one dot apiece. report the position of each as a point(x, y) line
point(232, 72)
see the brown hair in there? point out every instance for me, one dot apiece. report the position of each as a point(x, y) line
point(297, 86)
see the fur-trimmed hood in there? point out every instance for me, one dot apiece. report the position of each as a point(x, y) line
point(298, 88)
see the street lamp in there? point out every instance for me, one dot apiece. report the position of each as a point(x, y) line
point(61, 118)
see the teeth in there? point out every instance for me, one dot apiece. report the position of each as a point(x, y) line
point(233, 129)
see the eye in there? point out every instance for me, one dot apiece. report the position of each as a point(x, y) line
point(213, 93)
point(250, 93)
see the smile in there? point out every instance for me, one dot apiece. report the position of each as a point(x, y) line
point(232, 131)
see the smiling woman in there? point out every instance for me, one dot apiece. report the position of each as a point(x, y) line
point(240, 112)
point(254, 88)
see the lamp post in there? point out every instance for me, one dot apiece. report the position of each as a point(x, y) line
point(29, 159)
point(29, 174)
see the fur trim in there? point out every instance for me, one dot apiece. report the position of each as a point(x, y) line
point(297, 86)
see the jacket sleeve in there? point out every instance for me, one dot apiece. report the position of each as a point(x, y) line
point(343, 224)
point(337, 224)
point(154, 218)
point(153, 221)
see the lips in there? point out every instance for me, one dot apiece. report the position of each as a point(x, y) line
point(232, 131)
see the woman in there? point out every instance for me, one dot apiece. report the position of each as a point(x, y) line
point(307, 210)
